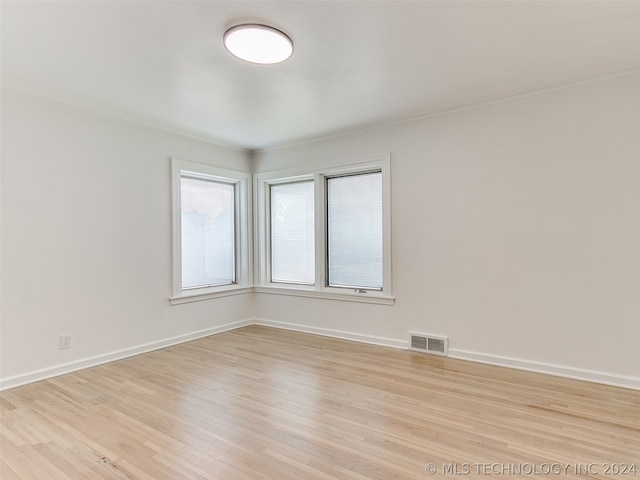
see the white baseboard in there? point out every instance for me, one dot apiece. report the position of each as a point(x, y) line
point(606, 378)
point(329, 332)
point(69, 367)
point(594, 376)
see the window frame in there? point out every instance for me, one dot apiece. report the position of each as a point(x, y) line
point(320, 288)
point(242, 225)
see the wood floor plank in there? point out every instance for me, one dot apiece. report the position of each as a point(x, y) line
point(260, 403)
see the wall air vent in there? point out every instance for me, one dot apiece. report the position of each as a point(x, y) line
point(429, 343)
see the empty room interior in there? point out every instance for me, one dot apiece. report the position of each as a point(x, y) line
point(320, 240)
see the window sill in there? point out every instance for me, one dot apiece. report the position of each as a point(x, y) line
point(370, 297)
point(200, 295)
point(208, 294)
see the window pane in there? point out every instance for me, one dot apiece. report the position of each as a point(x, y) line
point(292, 233)
point(208, 233)
point(354, 209)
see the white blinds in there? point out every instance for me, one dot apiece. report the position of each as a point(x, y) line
point(354, 207)
point(292, 233)
point(208, 233)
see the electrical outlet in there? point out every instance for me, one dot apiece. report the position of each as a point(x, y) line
point(65, 341)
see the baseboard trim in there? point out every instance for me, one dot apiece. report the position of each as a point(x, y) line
point(329, 332)
point(593, 376)
point(63, 368)
point(623, 381)
point(574, 373)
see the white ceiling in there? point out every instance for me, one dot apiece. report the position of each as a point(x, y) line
point(355, 64)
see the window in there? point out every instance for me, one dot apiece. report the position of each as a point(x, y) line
point(326, 233)
point(211, 254)
point(292, 233)
point(354, 231)
point(208, 232)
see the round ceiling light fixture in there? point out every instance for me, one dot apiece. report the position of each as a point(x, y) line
point(258, 43)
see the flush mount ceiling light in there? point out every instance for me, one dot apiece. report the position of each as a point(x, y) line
point(258, 43)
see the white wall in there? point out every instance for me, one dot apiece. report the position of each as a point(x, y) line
point(516, 231)
point(86, 235)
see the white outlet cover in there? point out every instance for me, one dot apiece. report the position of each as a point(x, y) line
point(65, 341)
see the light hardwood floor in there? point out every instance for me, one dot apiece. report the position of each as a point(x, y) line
point(261, 403)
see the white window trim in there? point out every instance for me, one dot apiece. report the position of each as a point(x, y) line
point(244, 260)
point(320, 289)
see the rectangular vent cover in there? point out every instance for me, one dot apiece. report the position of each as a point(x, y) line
point(429, 344)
